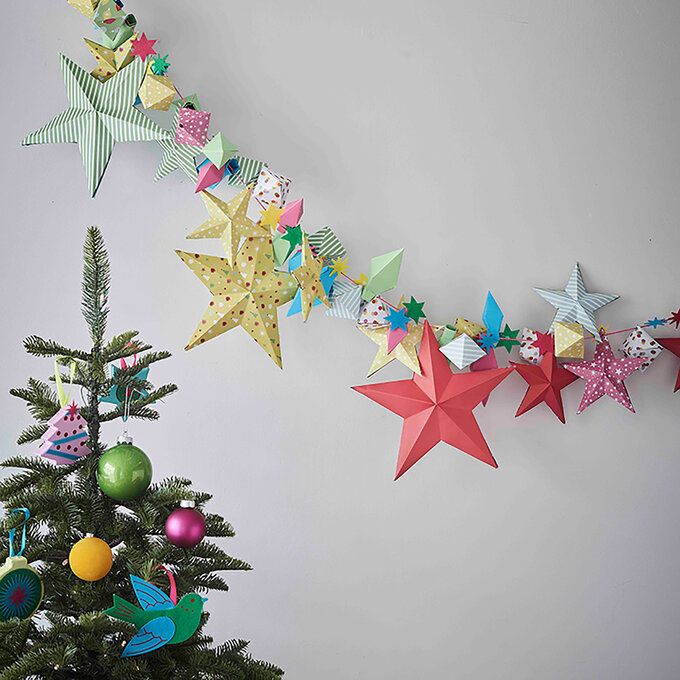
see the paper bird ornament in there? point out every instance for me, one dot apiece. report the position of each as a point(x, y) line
point(270, 189)
point(209, 176)
point(109, 61)
point(345, 300)
point(327, 281)
point(405, 352)
point(66, 437)
point(156, 92)
point(228, 222)
point(569, 340)
point(246, 295)
point(575, 304)
point(143, 48)
point(437, 405)
point(308, 276)
point(117, 395)
point(192, 127)
point(159, 621)
point(604, 375)
point(177, 156)
point(673, 346)
point(639, 343)
point(383, 274)
point(219, 150)
point(546, 382)
point(98, 116)
point(326, 244)
point(85, 7)
point(373, 313)
point(291, 216)
point(468, 327)
point(527, 346)
point(462, 351)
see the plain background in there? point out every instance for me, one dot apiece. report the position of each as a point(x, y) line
point(498, 143)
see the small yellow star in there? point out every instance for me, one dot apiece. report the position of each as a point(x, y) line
point(340, 265)
point(406, 352)
point(604, 330)
point(271, 216)
point(362, 280)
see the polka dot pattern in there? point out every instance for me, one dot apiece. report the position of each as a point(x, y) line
point(156, 92)
point(192, 127)
point(641, 344)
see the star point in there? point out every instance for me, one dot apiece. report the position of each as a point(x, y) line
point(308, 276)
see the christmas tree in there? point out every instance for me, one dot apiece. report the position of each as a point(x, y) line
point(77, 503)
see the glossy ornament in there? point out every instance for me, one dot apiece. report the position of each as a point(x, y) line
point(185, 526)
point(21, 589)
point(90, 558)
point(124, 471)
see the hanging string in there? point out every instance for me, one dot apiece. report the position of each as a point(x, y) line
point(173, 585)
point(64, 398)
point(12, 533)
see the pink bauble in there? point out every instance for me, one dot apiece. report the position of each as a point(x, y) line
point(185, 526)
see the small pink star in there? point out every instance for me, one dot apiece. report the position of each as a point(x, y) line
point(143, 47)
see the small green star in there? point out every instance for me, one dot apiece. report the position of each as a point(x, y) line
point(414, 309)
point(508, 338)
point(160, 65)
point(294, 237)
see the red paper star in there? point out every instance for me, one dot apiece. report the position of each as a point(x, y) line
point(546, 382)
point(437, 405)
point(673, 346)
point(675, 318)
point(143, 47)
point(544, 343)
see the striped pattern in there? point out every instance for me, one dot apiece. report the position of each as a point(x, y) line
point(462, 351)
point(177, 156)
point(574, 304)
point(326, 244)
point(249, 169)
point(345, 300)
point(98, 116)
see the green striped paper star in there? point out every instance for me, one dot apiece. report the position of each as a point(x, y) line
point(99, 115)
point(177, 156)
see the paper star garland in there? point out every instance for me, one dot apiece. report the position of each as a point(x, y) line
point(228, 222)
point(308, 276)
point(437, 406)
point(109, 61)
point(673, 346)
point(656, 322)
point(99, 115)
point(397, 319)
point(246, 295)
point(142, 47)
point(292, 214)
point(327, 281)
point(414, 309)
point(546, 382)
point(575, 304)
point(177, 156)
point(405, 352)
point(604, 375)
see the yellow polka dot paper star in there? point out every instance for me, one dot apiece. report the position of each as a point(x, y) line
point(109, 62)
point(340, 265)
point(362, 280)
point(271, 216)
point(308, 275)
point(406, 352)
point(228, 222)
point(246, 295)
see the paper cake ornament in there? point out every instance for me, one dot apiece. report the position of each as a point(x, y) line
point(270, 189)
point(98, 116)
point(228, 222)
point(66, 437)
point(437, 405)
point(527, 346)
point(218, 150)
point(109, 61)
point(605, 375)
point(85, 7)
point(569, 340)
point(156, 92)
point(246, 295)
point(545, 384)
point(159, 620)
point(373, 313)
point(177, 156)
point(345, 300)
point(462, 351)
point(575, 304)
point(383, 274)
point(405, 352)
point(192, 127)
point(326, 244)
point(308, 276)
point(673, 346)
point(468, 327)
point(639, 343)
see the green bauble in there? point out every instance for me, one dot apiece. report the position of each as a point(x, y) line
point(124, 471)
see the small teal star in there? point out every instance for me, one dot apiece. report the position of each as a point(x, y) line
point(397, 319)
point(160, 65)
point(414, 309)
point(488, 340)
point(656, 322)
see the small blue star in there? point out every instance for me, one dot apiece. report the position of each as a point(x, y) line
point(488, 340)
point(398, 319)
point(656, 322)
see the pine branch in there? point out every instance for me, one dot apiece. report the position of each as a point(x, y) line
point(32, 433)
point(38, 346)
point(138, 408)
point(40, 398)
point(96, 283)
point(123, 345)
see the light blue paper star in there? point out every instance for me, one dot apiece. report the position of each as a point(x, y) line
point(656, 322)
point(398, 319)
point(116, 395)
point(327, 278)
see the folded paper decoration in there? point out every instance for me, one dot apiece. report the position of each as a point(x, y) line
point(326, 244)
point(569, 340)
point(143, 47)
point(156, 92)
point(99, 115)
point(177, 156)
point(291, 215)
point(492, 318)
point(373, 313)
point(209, 176)
point(508, 338)
point(604, 375)
point(85, 7)
point(462, 351)
point(228, 222)
point(109, 61)
point(546, 382)
point(66, 437)
point(246, 295)
point(575, 304)
point(248, 170)
point(673, 346)
point(109, 17)
point(383, 274)
point(270, 189)
point(405, 352)
point(437, 405)
point(527, 346)
point(639, 343)
point(468, 327)
point(327, 281)
point(219, 150)
point(192, 127)
point(345, 300)
point(308, 276)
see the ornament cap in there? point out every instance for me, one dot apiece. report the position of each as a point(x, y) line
point(89, 535)
point(187, 504)
point(124, 438)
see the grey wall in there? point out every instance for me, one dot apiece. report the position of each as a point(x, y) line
point(497, 142)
